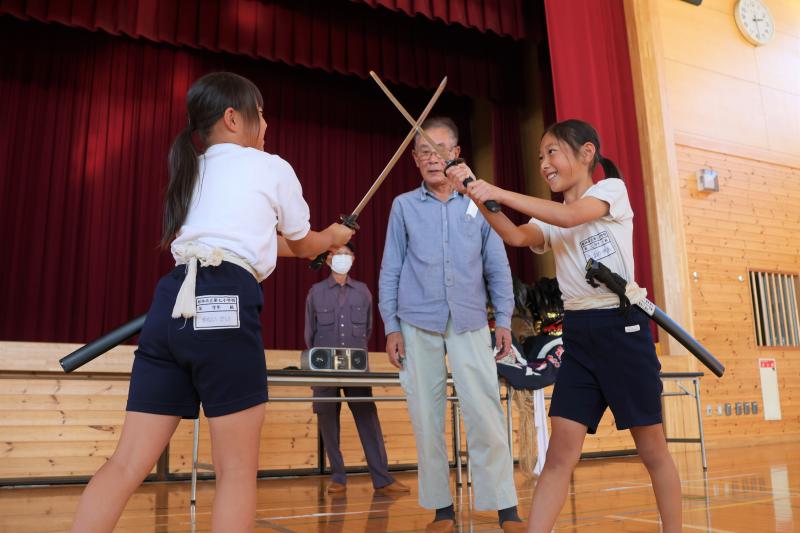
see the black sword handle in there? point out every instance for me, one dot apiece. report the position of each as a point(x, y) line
point(597, 271)
point(345, 220)
point(98, 347)
point(491, 205)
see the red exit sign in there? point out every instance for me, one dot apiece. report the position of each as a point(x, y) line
point(767, 363)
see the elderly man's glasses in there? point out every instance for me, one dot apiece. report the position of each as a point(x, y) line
point(426, 153)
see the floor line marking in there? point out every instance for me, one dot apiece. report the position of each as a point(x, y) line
point(685, 526)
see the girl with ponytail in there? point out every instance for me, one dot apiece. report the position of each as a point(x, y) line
point(201, 342)
point(609, 357)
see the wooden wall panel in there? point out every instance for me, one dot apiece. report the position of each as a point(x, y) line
point(53, 427)
point(707, 38)
point(725, 89)
point(733, 107)
point(68, 427)
point(750, 224)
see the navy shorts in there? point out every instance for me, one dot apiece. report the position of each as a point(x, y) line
point(216, 359)
point(609, 361)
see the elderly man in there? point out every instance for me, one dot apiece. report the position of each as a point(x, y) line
point(440, 256)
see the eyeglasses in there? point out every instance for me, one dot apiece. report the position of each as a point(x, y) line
point(426, 153)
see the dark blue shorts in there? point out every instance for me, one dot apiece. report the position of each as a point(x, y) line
point(216, 359)
point(609, 361)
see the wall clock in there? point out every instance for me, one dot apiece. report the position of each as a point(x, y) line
point(754, 21)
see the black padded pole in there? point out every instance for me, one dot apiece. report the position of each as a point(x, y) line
point(597, 271)
point(98, 347)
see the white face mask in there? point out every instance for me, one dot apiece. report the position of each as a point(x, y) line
point(341, 263)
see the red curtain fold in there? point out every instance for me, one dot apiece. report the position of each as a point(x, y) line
point(509, 173)
point(88, 120)
point(334, 36)
point(503, 17)
point(592, 81)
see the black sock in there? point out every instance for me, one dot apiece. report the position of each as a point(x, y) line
point(445, 513)
point(508, 514)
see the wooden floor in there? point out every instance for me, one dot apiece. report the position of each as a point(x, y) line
point(746, 489)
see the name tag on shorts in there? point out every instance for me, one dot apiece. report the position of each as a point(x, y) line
point(215, 311)
point(632, 329)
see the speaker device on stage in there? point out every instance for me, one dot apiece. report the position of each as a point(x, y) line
point(335, 359)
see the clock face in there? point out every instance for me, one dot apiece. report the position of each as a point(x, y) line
point(754, 21)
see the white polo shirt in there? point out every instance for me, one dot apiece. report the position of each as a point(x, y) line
point(608, 239)
point(242, 197)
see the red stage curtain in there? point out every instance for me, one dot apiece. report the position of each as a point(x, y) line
point(87, 123)
point(592, 82)
point(509, 173)
point(332, 35)
point(503, 17)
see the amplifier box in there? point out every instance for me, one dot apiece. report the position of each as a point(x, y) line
point(335, 359)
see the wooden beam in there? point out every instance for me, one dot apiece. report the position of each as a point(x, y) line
point(665, 221)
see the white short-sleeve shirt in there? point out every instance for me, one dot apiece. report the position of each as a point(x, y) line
point(608, 239)
point(241, 198)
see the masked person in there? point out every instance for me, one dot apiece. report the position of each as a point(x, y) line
point(339, 314)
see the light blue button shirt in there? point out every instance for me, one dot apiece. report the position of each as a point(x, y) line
point(438, 262)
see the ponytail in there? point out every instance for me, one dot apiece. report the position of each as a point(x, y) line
point(609, 168)
point(183, 170)
point(206, 102)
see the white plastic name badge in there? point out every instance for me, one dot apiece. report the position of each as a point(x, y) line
point(217, 311)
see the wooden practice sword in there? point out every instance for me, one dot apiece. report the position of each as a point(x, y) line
point(350, 220)
point(491, 205)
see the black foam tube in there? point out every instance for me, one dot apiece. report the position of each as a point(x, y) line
point(686, 340)
point(98, 347)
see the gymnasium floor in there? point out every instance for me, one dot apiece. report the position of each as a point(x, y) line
point(753, 489)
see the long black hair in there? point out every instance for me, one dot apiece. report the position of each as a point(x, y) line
point(576, 133)
point(206, 102)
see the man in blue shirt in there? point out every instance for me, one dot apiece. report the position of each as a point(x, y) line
point(440, 258)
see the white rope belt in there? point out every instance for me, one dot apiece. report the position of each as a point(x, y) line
point(606, 300)
point(189, 254)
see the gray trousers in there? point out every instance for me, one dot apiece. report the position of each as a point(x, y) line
point(365, 415)
point(424, 379)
